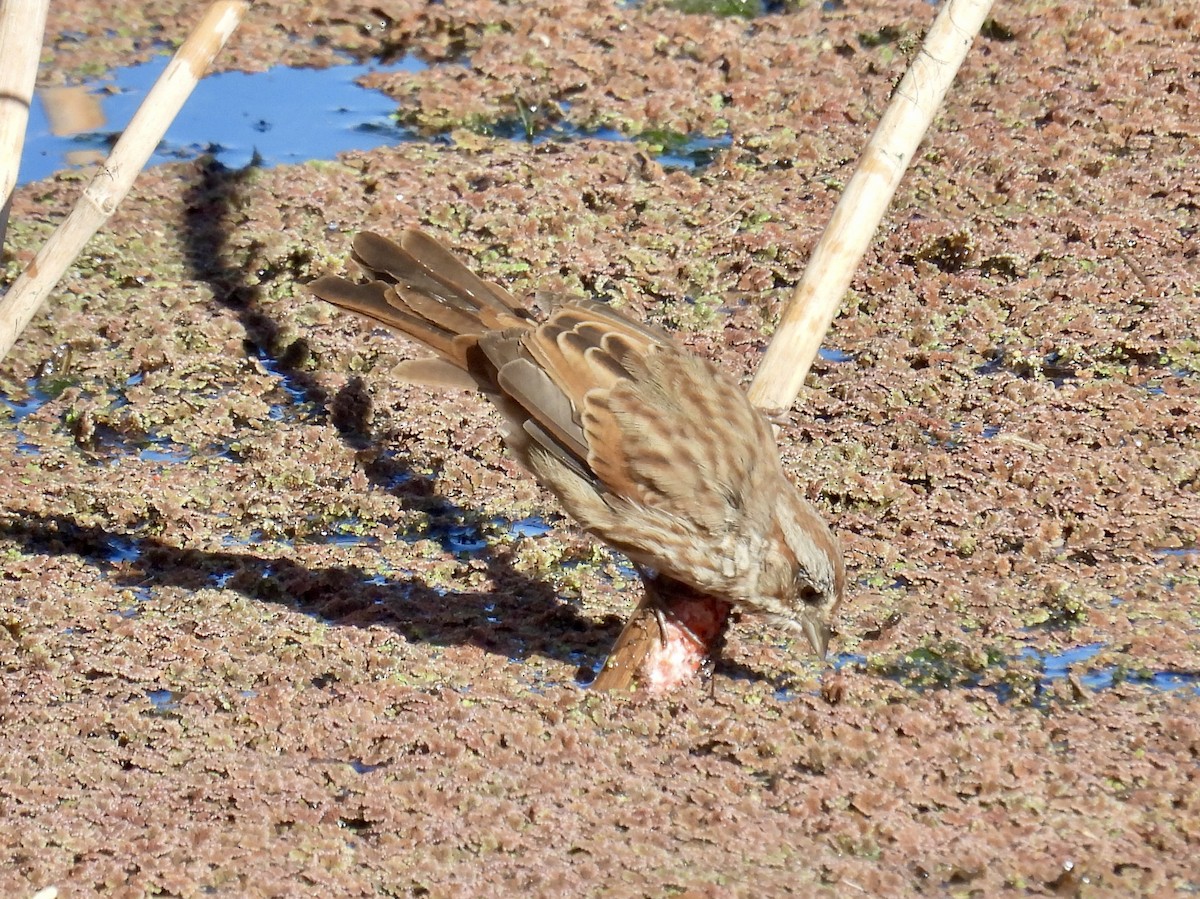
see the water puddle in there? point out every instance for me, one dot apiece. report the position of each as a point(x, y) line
point(100, 441)
point(47, 385)
point(925, 669)
point(299, 405)
point(1058, 666)
point(829, 354)
point(344, 532)
point(465, 538)
point(533, 526)
point(163, 451)
point(37, 397)
point(287, 116)
point(19, 410)
point(162, 702)
point(279, 116)
point(456, 536)
point(122, 550)
point(1178, 551)
point(685, 152)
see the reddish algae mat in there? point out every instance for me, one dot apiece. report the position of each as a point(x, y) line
point(275, 623)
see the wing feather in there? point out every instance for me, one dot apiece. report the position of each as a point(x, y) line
point(620, 407)
point(546, 404)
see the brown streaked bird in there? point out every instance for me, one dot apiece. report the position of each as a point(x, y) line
point(652, 449)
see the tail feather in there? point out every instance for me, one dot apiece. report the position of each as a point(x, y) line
point(377, 302)
point(419, 262)
point(433, 371)
point(433, 309)
point(423, 291)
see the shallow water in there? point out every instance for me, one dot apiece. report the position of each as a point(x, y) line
point(281, 116)
point(291, 115)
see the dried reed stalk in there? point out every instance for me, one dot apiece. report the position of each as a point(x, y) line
point(114, 179)
point(22, 24)
point(858, 213)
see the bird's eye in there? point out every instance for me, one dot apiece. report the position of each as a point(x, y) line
point(810, 595)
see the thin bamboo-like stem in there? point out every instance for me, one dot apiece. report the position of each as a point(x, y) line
point(22, 25)
point(866, 198)
point(116, 176)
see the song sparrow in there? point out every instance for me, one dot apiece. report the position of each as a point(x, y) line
point(650, 448)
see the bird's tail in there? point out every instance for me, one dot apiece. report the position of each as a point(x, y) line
point(422, 290)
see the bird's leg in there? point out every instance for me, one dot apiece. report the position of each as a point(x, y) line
point(654, 584)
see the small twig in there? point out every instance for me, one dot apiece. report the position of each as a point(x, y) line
point(1136, 268)
point(110, 185)
point(721, 223)
point(1018, 440)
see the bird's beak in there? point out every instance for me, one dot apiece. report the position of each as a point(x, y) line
point(818, 633)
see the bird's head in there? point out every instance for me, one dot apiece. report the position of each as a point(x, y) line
point(804, 576)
